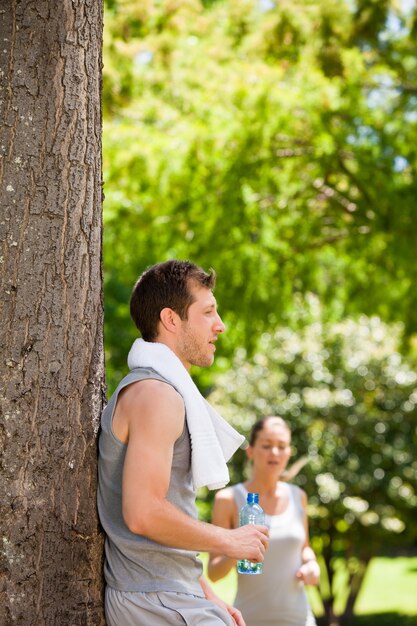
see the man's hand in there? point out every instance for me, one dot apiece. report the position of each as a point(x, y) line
point(247, 542)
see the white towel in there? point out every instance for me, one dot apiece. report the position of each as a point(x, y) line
point(213, 440)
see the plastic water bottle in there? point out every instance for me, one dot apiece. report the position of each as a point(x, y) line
point(251, 513)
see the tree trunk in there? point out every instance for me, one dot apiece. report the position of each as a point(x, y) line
point(355, 583)
point(51, 366)
point(328, 602)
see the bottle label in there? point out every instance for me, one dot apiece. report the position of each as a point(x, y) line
point(246, 567)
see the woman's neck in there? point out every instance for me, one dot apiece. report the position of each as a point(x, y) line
point(273, 494)
point(266, 486)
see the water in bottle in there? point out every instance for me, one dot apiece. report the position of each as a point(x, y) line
point(251, 513)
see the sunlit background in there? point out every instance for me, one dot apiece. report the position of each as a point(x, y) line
point(275, 141)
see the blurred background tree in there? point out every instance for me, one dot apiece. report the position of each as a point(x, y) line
point(273, 141)
point(276, 142)
point(350, 399)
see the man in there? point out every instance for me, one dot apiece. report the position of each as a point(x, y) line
point(158, 443)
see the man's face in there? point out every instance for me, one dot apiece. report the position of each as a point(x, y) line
point(198, 333)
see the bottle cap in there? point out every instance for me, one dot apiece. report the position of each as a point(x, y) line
point(253, 498)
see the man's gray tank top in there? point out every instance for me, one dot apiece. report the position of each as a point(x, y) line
point(133, 562)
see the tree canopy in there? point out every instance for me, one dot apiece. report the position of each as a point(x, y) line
point(273, 141)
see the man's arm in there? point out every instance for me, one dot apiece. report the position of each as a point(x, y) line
point(150, 416)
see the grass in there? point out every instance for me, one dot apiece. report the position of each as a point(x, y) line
point(388, 596)
point(390, 586)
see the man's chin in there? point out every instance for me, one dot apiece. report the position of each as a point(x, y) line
point(204, 362)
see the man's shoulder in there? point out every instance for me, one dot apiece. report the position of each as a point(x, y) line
point(150, 389)
point(146, 402)
point(142, 373)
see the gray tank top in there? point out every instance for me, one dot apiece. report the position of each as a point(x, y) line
point(133, 562)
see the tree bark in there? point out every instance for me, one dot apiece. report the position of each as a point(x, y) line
point(51, 363)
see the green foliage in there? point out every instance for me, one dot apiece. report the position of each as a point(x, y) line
point(276, 142)
point(273, 141)
point(351, 401)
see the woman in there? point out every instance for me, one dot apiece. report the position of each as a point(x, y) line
point(276, 597)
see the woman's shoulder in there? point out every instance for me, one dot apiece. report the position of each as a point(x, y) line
point(298, 495)
point(233, 495)
point(226, 494)
point(295, 489)
point(226, 507)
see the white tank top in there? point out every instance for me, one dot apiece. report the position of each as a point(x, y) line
point(276, 597)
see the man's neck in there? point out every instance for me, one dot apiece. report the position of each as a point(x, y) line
point(171, 345)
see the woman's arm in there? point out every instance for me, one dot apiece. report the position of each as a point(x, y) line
point(309, 572)
point(210, 595)
point(224, 514)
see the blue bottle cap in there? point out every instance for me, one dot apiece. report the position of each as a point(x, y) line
point(253, 498)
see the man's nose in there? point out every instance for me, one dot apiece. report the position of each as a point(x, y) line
point(219, 326)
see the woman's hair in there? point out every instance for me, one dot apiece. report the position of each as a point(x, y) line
point(292, 471)
point(259, 425)
point(166, 285)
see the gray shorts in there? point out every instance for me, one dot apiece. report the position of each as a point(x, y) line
point(125, 608)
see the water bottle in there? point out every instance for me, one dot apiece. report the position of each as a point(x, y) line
point(251, 513)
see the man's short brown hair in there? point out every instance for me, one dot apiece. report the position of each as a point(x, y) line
point(165, 285)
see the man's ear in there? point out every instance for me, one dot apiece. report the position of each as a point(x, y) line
point(249, 451)
point(169, 319)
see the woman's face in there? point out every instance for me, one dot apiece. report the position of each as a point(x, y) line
point(272, 448)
